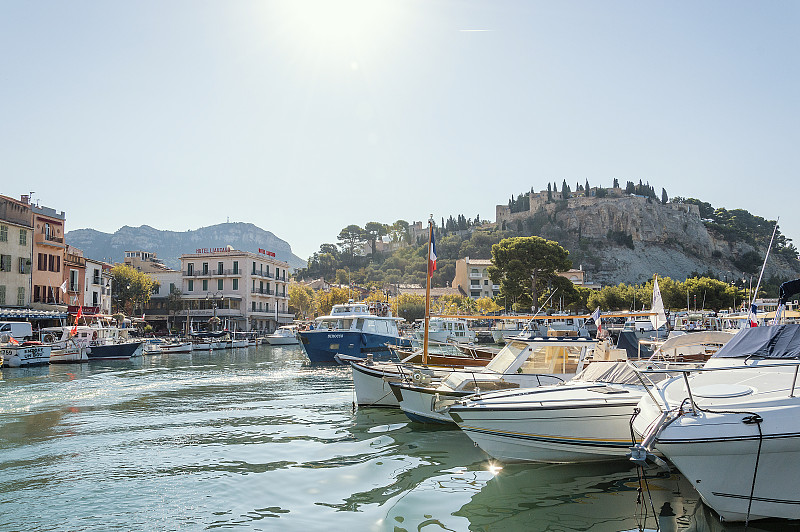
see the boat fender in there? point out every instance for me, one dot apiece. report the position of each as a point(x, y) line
point(94, 335)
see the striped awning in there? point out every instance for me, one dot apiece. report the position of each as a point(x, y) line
point(31, 314)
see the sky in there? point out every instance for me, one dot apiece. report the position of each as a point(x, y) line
point(305, 116)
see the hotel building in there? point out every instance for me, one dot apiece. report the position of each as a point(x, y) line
point(246, 291)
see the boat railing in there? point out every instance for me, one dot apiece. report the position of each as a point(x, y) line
point(664, 405)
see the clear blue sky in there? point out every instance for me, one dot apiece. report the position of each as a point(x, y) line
point(305, 116)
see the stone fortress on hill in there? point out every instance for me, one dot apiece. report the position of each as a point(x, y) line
point(645, 219)
point(620, 237)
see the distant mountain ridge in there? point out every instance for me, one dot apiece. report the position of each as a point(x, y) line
point(170, 245)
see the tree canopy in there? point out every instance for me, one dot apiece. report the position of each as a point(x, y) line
point(132, 289)
point(524, 266)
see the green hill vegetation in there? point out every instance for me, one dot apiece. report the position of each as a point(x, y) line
point(357, 257)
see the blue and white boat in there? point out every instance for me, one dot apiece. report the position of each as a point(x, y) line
point(354, 329)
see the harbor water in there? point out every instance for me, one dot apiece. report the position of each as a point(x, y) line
point(256, 439)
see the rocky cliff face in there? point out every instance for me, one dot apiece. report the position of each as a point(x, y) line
point(628, 239)
point(169, 245)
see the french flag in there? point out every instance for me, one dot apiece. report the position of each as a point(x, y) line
point(432, 261)
point(752, 315)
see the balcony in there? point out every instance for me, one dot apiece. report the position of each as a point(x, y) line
point(265, 275)
point(48, 240)
point(211, 273)
point(262, 291)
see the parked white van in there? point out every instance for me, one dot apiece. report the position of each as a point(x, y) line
point(21, 330)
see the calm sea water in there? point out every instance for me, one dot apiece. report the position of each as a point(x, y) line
point(255, 439)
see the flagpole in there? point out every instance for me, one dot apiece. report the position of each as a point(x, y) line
point(427, 293)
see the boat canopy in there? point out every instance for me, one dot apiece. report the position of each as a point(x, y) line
point(772, 341)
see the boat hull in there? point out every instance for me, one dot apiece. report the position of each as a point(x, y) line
point(183, 347)
point(17, 356)
point(281, 340)
point(68, 356)
point(562, 425)
point(321, 346)
point(122, 351)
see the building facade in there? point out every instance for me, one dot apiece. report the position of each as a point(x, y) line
point(74, 275)
point(97, 286)
point(472, 279)
point(246, 291)
point(146, 262)
point(16, 235)
point(47, 272)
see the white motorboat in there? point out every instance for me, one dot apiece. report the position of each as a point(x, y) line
point(16, 355)
point(444, 330)
point(733, 427)
point(504, 329)
point(283, 335)
point(176, 346)
point(519, 364)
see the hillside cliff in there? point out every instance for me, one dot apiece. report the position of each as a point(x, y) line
point(169, 245)
point(629, 238)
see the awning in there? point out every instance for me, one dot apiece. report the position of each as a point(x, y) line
point(30, 314)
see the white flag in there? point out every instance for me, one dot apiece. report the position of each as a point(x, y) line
point(64, 287)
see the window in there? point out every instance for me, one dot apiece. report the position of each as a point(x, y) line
point(220, 269)
point(191, 285)
point(236, 284)
point(235, 267)
point(21, 296)
point(58, 264)
point(36, 293)
point(254, 269)
point(205, 268)
point(41, 263)
point(171, 287)
point(486, 281)
point(190, 269)
point(95, 299)
point(23, 265)
point(219, 284)
point(3, 233)
point(2, 294)
point(205, 284)
point(73, 280)
point(23, 237)
point(47, 231)
point(254, 303)
point(5, 263)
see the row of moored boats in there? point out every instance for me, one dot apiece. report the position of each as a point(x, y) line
point(722, 407)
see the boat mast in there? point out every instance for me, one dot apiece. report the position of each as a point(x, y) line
point(427, 293)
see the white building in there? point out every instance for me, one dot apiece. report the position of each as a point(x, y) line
point(246, 291)
point(97, 286)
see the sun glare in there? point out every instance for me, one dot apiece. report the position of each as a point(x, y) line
point(338, 26)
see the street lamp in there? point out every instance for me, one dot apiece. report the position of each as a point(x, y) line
point(213, 298)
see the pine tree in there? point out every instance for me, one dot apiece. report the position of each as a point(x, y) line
point(664, 197)
point(586, 187)
point(549, 192)
point(616, 183)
